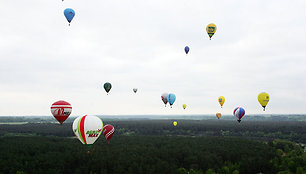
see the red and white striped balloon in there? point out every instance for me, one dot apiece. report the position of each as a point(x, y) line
point(61, 110)
point(108, 131)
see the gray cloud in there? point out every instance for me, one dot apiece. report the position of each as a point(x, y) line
point(259, 46)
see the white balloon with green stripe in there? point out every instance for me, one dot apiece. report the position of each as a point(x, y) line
point(87, 128)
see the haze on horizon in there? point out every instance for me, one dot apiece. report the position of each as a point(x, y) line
point(258, 46)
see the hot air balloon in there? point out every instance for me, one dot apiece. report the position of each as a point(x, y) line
point(108, 131)
point(175, 123)
point(171, 99)
point(218, 115)
point(87, 129)
point(186, 49)
point(239, 113)
point(164, 98)
point(135, 90)
point(263, 99)
point(69, 14)
point(221, 100)
point(184, 106)
point(61, 110)
point(107, 87)
point(211, 29)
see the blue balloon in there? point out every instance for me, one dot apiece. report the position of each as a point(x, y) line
point(186, 49)
point(171, 98)
point(69, 14)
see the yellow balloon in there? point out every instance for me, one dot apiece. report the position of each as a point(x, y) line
point(174, 123)
point(263, 99)
point(211, 29)
point(218, 115)
point(184, 106)
point(221, 100)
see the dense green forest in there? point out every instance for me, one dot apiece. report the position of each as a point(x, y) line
point(149, 154)
point(289, 130)
point(156, 146)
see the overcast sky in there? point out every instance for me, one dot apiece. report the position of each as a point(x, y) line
point(259, 46)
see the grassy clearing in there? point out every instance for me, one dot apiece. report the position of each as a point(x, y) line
point(14, 123)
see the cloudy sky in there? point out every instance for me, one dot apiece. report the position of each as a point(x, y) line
point(259, 46)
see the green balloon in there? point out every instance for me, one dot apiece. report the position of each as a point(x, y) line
point(107, 87)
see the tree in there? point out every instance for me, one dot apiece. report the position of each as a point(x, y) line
point(181, 171)
point(299, 170)
point(235, 172)
point(210, 171)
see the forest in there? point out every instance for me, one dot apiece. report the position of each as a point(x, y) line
point(156, 146)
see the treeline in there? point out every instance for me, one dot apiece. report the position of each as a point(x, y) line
point(261, 117)
point(149, 154)
point(291, 130)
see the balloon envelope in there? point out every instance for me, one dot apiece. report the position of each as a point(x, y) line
point(263, 99)
point(108, 131)
point(164, 98)
point(184, 106)
point(87, 128)
point(135, 90)
point(175, 123)
point(69, 14)
point(211, 29)
point(61, 110)
point(171, 98)
point(218, 115)
point(221, 100)
point(239, 113)
point(107, 86)
point(186, 49)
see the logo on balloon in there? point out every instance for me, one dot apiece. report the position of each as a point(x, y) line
point(211, 29)
point(61, 112)
point(94, 133)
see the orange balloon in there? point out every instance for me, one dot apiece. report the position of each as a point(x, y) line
point(218, 115)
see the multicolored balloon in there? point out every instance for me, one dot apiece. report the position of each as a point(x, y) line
point(239, 113)
point(87, 128)
point(107, 87)
point(164, 98)
point(69, 14)
point(61, 110)
point(108, 131)
point(171, 98)
point(186, 49)
point(218, 115)
point(211, 29)
point(263, 99)
point(221, 100)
